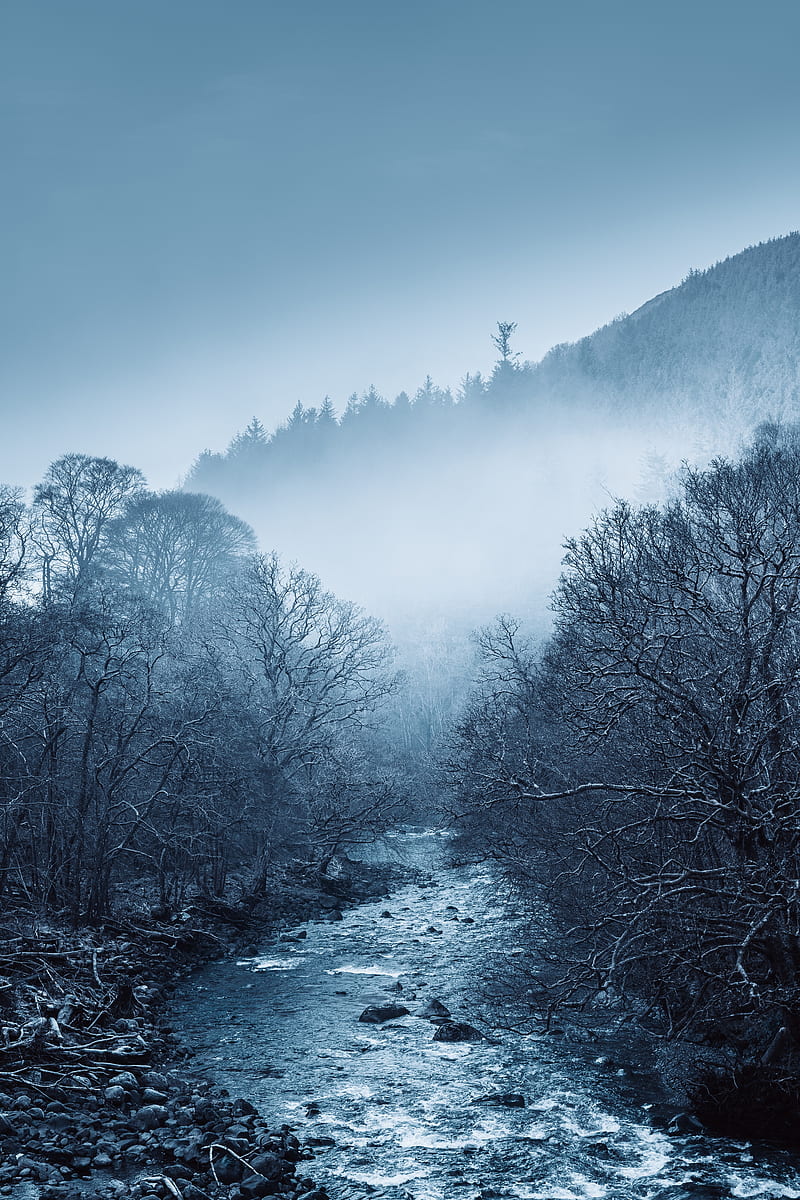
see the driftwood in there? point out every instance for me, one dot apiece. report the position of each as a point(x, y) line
point(70, 1007)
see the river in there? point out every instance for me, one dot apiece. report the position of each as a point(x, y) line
point(281, 1027)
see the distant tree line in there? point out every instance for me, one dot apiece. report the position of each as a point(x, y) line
point(641, 773)
point(175, 708)
point(717, 354)
point(317, 438)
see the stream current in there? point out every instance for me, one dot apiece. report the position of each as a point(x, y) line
point(398, 1107)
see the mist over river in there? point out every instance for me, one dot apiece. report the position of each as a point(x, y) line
point(392, 1111)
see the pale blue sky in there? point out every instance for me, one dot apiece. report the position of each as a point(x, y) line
point(214, 209)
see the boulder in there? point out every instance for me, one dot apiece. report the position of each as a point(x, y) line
point(125, 1079)
point(376, 1014)
point(502, 1100)
point(336, 877)
point(684, 1122)
point(206, 1113)
point(457, 1031)
point(267, 1165)
point(191, 1192)
point(151, 1116)
point(227, 1168)
point(254, 1186)
point(434, 1010)
point(154, 1079)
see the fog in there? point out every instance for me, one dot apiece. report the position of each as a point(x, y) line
point(419, 534)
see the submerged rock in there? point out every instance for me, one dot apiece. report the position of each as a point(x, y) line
point(502, 1100)
point(376, 1014)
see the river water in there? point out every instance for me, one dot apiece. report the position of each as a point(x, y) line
point(281, 1027)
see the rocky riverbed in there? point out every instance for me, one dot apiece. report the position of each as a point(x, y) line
point(376, 1038)
point(154, 1136)
point(97, 1095)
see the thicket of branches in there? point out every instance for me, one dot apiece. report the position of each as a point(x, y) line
point(642, 771)
point(174, 707)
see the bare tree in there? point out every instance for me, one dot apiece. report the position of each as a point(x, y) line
point(176, 548)
point(74, 505)
point(314, 666)
point(502, 341)
point(311, 670)
point(647, 770)
point(172, 711)
point(14, 537)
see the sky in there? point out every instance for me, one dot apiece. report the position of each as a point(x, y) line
point(212, 209)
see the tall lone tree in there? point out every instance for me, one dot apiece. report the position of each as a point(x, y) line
point(502, 341)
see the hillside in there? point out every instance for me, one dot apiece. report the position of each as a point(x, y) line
point(462, 502)
point(722, 346)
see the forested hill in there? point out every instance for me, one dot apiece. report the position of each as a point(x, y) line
point(724, 345)
point(470, 494)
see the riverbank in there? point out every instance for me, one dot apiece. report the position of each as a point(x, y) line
point(97, 1094)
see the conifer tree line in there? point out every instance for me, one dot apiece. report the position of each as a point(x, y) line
point(174, 706)
point(716, 354)
point(640, 772)
point(312, 438)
